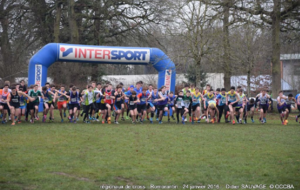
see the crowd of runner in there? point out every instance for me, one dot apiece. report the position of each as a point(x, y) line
point(139, 103)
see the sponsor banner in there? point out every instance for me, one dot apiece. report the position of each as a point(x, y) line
point(168, 76)
point(101, 54)
point(38, 76)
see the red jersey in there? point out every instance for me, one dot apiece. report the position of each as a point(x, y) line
point(107, 99)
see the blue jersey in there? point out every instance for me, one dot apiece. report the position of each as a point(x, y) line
point(143, 98)
point(74, 98)
point(171, 100)
point(221, 99)
point(153, 97)
point(163, 102)
point(296, 97)
point(138, 91)
point(148, 92)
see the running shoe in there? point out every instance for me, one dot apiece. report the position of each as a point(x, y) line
point(233, 122)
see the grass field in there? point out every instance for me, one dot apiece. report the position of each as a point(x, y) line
point(87, 156)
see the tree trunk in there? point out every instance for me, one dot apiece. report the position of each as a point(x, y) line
point(249, 82)
point(95, 67)
point(7, 57)
point(226, 46)
point(57, 22)
point(198, 74)
point(72, 23)
point(276, 77)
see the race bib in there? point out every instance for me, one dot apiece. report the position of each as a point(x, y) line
point(131, 103)
point(107, 97)
point(15, 100)
point(46, 99)
point(73, 99)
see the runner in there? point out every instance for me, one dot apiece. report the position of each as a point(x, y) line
point(187, 101)
point(141, 106)
point(162, 102)
point(263, 99)
point(232, 100)
point(47, 102)
point(62, 102)
point(4, 107)
point(13, 102)
point(179, 105)
point(196, 105)
point(171, 106)
point(221, 97)
point(119, 95)
point(212, 111)
point(133, 100)
point(34, 105)
point(74, 97)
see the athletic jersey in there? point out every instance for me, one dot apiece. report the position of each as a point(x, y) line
point(118, 99)
point(282, 100)
point(263, 99)
point(296, 97)
point(74, 98)
point(23, 101)
point(4, 96)
point(289, 102)
point(14, 99)
point(179, 101)
point(47, 97)
point(132, 100)
point(193, 90)
point(212, 102)
point(163, 102)
point(171, 100)
point(52, 95)
point(35, 95)
point(138, 91)
point(208, 97)
point(184, 91)
point(248, 103)
point(98, 99)
point(150, 99)
point(241, 101)
point(89, 97)
point(231, 96)
point(187, 101)
point(62, 98)
point(107, 96)
point(196, 98)
point(143, 98)
point(222, 99)
point(153, 97)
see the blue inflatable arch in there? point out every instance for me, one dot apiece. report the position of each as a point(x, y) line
point(54, 52)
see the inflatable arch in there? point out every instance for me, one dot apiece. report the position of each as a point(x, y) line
point(54, 52)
